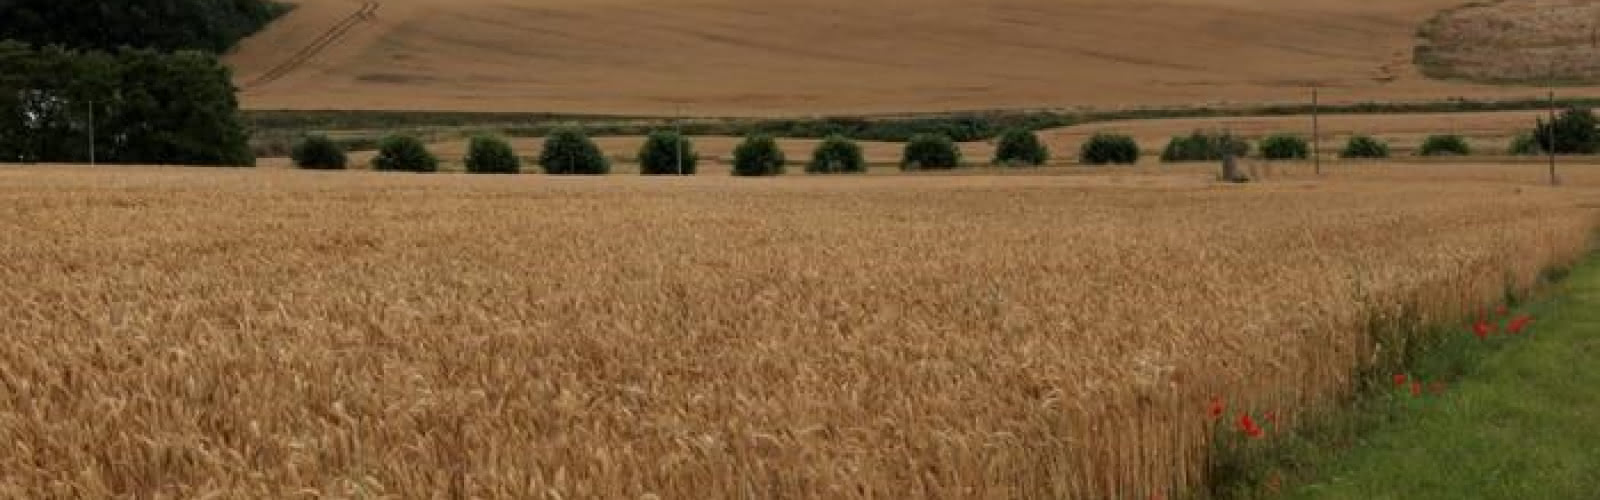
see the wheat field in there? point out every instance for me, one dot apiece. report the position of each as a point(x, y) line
point(266, 333)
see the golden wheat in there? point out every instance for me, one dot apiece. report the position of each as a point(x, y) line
point(184, 333)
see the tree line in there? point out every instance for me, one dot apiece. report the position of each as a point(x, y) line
point(146, 107)
point(166, 25)
point(129, 81)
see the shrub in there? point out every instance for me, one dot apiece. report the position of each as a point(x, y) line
point(930, 152)
point(1362, 146)
point(318, 152)
point(837, 154)
point(491, 155)
point(403, 153)
point(567, 151)
point(1525, 145)
point(1020, 147)
point(661, 153)
point(1574, 133)
point(1445, 145)
point(1105, 148)
point(1203, 146)
point(758, 155)
point(1285, 147)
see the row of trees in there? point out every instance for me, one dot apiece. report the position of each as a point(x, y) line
point(165, 25)
point(569, 151)
point(126, 106)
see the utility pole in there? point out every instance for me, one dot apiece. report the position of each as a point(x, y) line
point(1554, 181)
point(1316, 133)
point(91, 132)
point(677, 146)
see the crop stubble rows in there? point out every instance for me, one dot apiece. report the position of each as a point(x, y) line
point(279, 334)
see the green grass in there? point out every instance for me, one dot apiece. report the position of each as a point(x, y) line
point(1520, 418)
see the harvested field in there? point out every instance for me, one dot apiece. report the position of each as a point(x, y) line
point(1515, 41)
point(806, 57)
point(276, 333)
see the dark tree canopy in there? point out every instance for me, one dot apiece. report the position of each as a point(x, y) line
point(1574, 132)
point(168, 25)
point(567, 151)
point(667, 152)
point(837, 154)
point(318, 152)
point(148, 107)
point(758, 155)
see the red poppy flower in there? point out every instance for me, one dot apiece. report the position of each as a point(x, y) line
point(1416, 388)
point(1248, 426)
point(1500, 311)
point(1399, 380)
point(1216, 408)
point(1481, 329)
point(1519, 324)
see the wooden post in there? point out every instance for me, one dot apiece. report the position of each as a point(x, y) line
point(91, 133)
point(1554, 181)
point(1316, 133)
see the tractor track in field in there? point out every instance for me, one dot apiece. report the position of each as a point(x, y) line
point(369, 10)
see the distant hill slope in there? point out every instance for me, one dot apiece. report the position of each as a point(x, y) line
point(801, 57)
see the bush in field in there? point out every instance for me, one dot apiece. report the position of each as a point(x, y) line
point(1020, 147)
point(837, 154)
point(667, 153)
point(1524, 145)
point(318, 152)
point(1445, 145)
point(1203, 146)
point(1105, 148)
point(491, 155)
point(1574, 132)
point(758, 155)
point(567, 151)
point(930, 152)
point(1285, 147)
point(403, 153)
point(1362, 146)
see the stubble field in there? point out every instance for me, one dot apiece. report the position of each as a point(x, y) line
point(806, 57)
point(274, 333)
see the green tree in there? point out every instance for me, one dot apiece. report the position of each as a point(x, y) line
point(167, 25)
point(1285, 147)
point(1445, 145)
point(1204, 146)
point(148, 107)
point(930, 152)
point(1104, 148)
point(1020, 147)
point(317, 152)
point(487, 154)
point(1525, 145)
point(758, 155)
point(1362, 146)
point(403, 153)
point(667, 153)
point(1574, 133)
point(837, 154)
point(568, 151)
